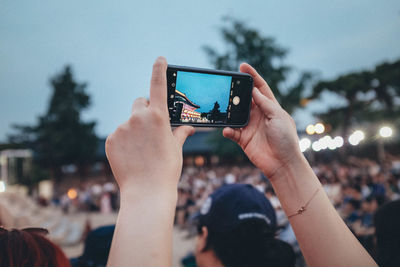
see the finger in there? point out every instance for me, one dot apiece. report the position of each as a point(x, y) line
point(182, 132)
point(255, 115)
point(233, 134)
point(259, 82)
point(158, 85)
point(109, 142)
point(266, 105)
point(140, 103)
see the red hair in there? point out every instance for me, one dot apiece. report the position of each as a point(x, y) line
point(22, 248)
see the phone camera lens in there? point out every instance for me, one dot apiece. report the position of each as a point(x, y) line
point(236, 100)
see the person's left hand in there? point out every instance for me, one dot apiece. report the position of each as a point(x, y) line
point(143, 152)
point(270, 139)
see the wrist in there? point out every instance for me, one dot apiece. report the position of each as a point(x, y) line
point(288, 168)
point(295, 183)
point(151, 193)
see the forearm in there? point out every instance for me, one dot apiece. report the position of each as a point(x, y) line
point(143, 233)
point(323, 237)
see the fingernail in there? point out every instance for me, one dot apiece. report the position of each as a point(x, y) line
point(161, 59)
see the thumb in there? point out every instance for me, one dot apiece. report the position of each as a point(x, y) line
point(182, 132)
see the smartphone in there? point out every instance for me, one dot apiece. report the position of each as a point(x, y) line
point(208, 98)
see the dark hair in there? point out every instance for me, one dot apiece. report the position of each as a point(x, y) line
point(387, 230)
point(356, 187)
point(19, 248)
point(356, 204)
point(251, 244)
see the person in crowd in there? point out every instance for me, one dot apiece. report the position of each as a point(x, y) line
point(365, 223)
point(351, 212)
point(181, 209)
point(236, 227)
point(387, 231)
point(363, 227)
point(29, 248)
point(146, 160)
point(97, 248)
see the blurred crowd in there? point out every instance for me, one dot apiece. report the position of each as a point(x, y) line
point(88, 197)
point(356, 189)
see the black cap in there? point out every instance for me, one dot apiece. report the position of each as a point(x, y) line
point(230, 205)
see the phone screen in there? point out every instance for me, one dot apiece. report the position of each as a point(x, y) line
point(208, 98)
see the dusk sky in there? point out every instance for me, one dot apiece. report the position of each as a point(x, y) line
point(205, 89)
point(112, 46)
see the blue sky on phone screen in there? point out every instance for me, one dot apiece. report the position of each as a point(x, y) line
point(205, 89)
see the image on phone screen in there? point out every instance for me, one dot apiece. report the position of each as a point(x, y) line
point(199, 98)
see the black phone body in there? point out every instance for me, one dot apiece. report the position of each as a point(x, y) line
point(208, 98)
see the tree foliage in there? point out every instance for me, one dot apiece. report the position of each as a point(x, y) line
point(215, 114)
point(60, 136)
point(245, 44)
point(371, 96)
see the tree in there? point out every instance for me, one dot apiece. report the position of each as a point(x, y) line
point(370, 96)
point(60, 136)
point(215, 114)
point(385, 81)
point(349, 87)
point(245, 44)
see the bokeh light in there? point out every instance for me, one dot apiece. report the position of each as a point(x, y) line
point(356, 137)
point(319, 128)
point(199, 161)
point(329, 142)
point(2, 187)
point(310, 129)
point(338, 141)
point(325, 141)
point(305, 144)
point(385, 132)
point(72, 193)
point(316, 146)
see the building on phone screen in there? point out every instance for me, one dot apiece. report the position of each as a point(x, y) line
point(186, 108)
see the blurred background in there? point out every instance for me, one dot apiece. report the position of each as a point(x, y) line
point(69, 72)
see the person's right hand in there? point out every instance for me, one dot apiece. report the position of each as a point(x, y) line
point(270, 139)
point(144, 153)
